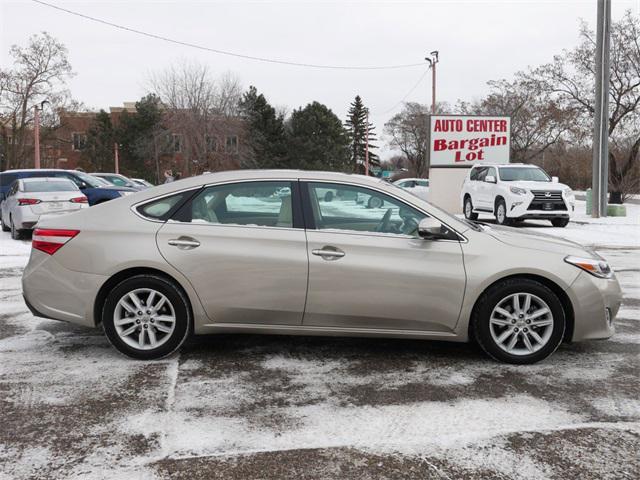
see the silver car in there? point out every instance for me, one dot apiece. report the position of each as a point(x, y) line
point(28, 199)
point(225, 253)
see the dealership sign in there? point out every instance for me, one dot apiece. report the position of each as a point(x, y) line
point(466, 140)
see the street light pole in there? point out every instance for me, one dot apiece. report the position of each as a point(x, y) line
point(433, 60)
point(600, 167)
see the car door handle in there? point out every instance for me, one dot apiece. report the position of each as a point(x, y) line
point(184, 243)
point(328, 253)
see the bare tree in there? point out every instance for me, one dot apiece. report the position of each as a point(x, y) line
point(409, 132)
point(570, 79)
point(39, 72)
point(201, 109)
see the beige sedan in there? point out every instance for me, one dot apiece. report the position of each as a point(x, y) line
point(266, 252)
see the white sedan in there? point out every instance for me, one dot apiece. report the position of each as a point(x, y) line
point(418, 186)
point(30, 198)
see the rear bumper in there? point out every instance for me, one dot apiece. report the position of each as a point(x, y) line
point(70, 297)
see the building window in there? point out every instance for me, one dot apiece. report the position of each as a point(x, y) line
point(79, 140)
point(231, 144)
point(177, 142)
point(212, 143)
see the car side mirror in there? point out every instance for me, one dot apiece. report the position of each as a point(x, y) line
point(430, 229)
point(555, 179)
point(490, 179)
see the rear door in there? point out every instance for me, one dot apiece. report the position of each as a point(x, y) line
point(369, 269)
point(243, 248)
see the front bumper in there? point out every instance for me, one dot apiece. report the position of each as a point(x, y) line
point(596, 302)
point(519, 207)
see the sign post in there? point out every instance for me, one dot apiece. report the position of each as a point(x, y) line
point(456, 143)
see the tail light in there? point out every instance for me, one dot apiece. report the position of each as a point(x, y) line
point(28, 201)
point(79, 200)
point(50, 241)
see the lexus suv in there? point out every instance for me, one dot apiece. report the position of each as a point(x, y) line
point(515, 192)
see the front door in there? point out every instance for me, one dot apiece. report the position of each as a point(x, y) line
point(369, 269)
point(243, 248)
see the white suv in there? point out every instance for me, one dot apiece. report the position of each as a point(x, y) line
point(515, 192)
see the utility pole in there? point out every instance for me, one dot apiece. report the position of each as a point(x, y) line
point(36, 133)
point(115, 154)
point(366, 145)
point(600, 182)
point(433, 60)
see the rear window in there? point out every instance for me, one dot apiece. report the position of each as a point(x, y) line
point(7, 178)
point(160, 209)
point(44, 186)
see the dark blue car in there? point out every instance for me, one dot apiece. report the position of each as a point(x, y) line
point(91, 188)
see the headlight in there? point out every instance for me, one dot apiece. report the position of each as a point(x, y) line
point(597, 268)
point(124, 194)
point(518, 191)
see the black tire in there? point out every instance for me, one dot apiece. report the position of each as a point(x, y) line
point(560, 222)
point(16, 234)
point(468, 209)
point(174, 295)
point(502, 219)
point(5, 228)
point(481, 329)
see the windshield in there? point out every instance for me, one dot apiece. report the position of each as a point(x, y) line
point(88, 179)
point(531, 174)
point(47, 186)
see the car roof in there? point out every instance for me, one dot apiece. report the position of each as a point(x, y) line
point(499, 165)
point(43, 179)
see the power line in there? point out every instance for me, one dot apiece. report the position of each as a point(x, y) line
point(224, 52)
point(407, 94)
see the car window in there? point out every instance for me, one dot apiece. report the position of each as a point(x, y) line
point(361, 209)
point(119, 182)
point(45, 186)
point(266, 204)
point(481, 173)
point(491, 172)
point(158, 209)
point(473, 175)
point(7, 178)
point(423, 183)
point(535, 174)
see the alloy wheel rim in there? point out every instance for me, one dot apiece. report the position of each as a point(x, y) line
point(144, 319)
point(501, 213)
point(467, 210)
point(521, 324)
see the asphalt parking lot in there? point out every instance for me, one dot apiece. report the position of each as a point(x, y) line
point(258, 407)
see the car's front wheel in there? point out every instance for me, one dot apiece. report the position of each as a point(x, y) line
point(501, 213)
point(146, 317)
point(519, 321)
point(560, 222)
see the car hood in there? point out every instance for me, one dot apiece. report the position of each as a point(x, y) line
point(537, 241)
point(547, 186)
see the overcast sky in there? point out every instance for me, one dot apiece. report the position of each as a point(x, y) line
point(478, 41)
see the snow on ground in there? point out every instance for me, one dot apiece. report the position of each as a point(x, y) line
point(233, 406)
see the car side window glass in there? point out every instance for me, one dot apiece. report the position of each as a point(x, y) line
point(265, 204)
point(473, 175)
point(359, 209)
point(491, 172)
point(158, 209)
point(481, 174)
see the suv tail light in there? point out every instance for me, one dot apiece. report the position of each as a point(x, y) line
point(79, 200)
point(28, 201)
point(50, 241)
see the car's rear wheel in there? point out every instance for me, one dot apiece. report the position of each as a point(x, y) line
point(146, 317)
point(5, 227)
point(560, 222)
point(468, 210)
point(16, 233)
point(501, 213)
point(519, 321)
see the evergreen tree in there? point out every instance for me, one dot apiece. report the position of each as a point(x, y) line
point(317, 140)
point(98, 154)
point(356, 125)
point(265, 131)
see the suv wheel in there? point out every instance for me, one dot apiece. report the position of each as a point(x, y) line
point(501, 213)
point(518, 321)
point(146, 317)
point(468, 210)
point(560, 222)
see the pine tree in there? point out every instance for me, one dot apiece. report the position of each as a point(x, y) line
point(356, 125)
point(97, 156)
